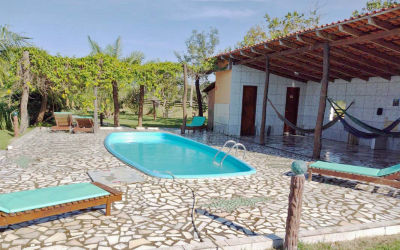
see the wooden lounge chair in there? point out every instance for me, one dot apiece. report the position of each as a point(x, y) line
point(39, 203)
point(84, 124)
point(63, 121)
point(389, 176)
point(197, 123)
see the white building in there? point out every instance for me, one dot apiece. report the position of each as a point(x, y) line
point(364, 68)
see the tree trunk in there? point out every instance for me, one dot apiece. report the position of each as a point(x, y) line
point(294, 212)
point(183, 127)
point(116, 103)
point(43, 108)
point(26, 78)
point(264, 107)
point(96, 121)
point(154, 111)
point(322, 103)
point(141, 103)
point(198, 93)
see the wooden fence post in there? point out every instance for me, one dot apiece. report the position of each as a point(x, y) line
point(183, 127)
point(299, 168)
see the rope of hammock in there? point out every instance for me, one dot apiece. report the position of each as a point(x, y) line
point(303, 130)
point(357, 132)
point(385, 131)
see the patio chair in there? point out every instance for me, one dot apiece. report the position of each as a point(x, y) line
point(33, 204)
point(63, 121)
point(389, 176)
point(197, 123)
point(84, 124)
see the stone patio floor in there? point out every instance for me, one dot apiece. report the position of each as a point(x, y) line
point(156, 212)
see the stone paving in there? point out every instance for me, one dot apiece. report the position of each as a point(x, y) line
point(157, 212)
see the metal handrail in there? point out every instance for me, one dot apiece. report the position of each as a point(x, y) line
point(237, 145)
point(221, 149)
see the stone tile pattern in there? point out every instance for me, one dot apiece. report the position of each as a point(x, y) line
point(156, 212)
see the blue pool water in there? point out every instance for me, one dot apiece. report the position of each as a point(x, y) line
point(162, 154)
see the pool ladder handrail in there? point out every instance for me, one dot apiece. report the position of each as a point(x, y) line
point(236, 146)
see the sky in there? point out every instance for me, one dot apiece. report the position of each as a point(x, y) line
point(155, 27)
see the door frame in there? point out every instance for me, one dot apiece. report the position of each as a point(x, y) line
point(287, 129)
point(253, 129)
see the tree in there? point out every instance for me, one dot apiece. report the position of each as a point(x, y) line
point(280, 26)
point(373, 5)
point(167, 87)
point(8, 42)
point(200, 46)
point(115, 51)
point(254, 35)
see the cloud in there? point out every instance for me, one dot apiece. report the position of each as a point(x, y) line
point(216, 13)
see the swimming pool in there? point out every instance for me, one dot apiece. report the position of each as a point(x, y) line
point(163, 155)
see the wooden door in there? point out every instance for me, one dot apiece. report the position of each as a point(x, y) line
point(292, 108)
point(249, 102)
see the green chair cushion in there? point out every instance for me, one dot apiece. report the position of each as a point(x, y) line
point(44, 197)
point(197, 121)
point(389, 170)
point(346, 168)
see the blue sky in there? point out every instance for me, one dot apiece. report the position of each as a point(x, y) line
point(155, 27)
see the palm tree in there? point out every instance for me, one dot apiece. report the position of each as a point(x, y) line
point(8, 42)
point(115, 50)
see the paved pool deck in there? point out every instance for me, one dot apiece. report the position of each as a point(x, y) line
point(157, 212)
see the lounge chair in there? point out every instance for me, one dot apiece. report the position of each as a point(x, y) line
point(389, 176)
point(197, 123)
point(83, 124)
point(63, 121)
point(39, 203)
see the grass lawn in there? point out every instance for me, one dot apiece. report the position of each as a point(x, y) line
point(391, 242)
point(6, 136)
point(131, 120)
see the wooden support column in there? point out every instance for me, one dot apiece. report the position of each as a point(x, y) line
point(322, 102)
point(95, 115)
point(264, 107)
point(183, 127)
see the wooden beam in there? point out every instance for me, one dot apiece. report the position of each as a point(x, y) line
point(322, 103)
point(383, 68)
point(366, 38)
point(325, 35)
point(376, 54)
point(264, 107)
point(380, 24)
point(278, 72)
point(349, 31)
point(291, 70)
point(301, 68)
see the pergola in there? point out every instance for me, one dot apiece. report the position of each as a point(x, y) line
point(360, 47)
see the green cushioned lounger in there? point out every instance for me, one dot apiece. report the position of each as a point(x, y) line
point(387, 176)
point(197, 121)
point(38, 203)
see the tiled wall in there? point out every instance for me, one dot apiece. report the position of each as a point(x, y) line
point(368, 96)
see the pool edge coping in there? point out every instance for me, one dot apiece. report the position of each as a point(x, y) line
point(322, 235)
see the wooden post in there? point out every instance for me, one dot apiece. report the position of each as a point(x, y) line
point(108, 208)
point(141, 104)
point(154, 110)
point(264, 107)
point(101, 119)
point(183, 127)
point(96, 122)
point(322, 103)
point(295, 202)
point(15, 122)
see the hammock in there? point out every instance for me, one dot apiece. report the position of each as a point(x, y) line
point(384, 132)
point(303, 130)
point(356, 132)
